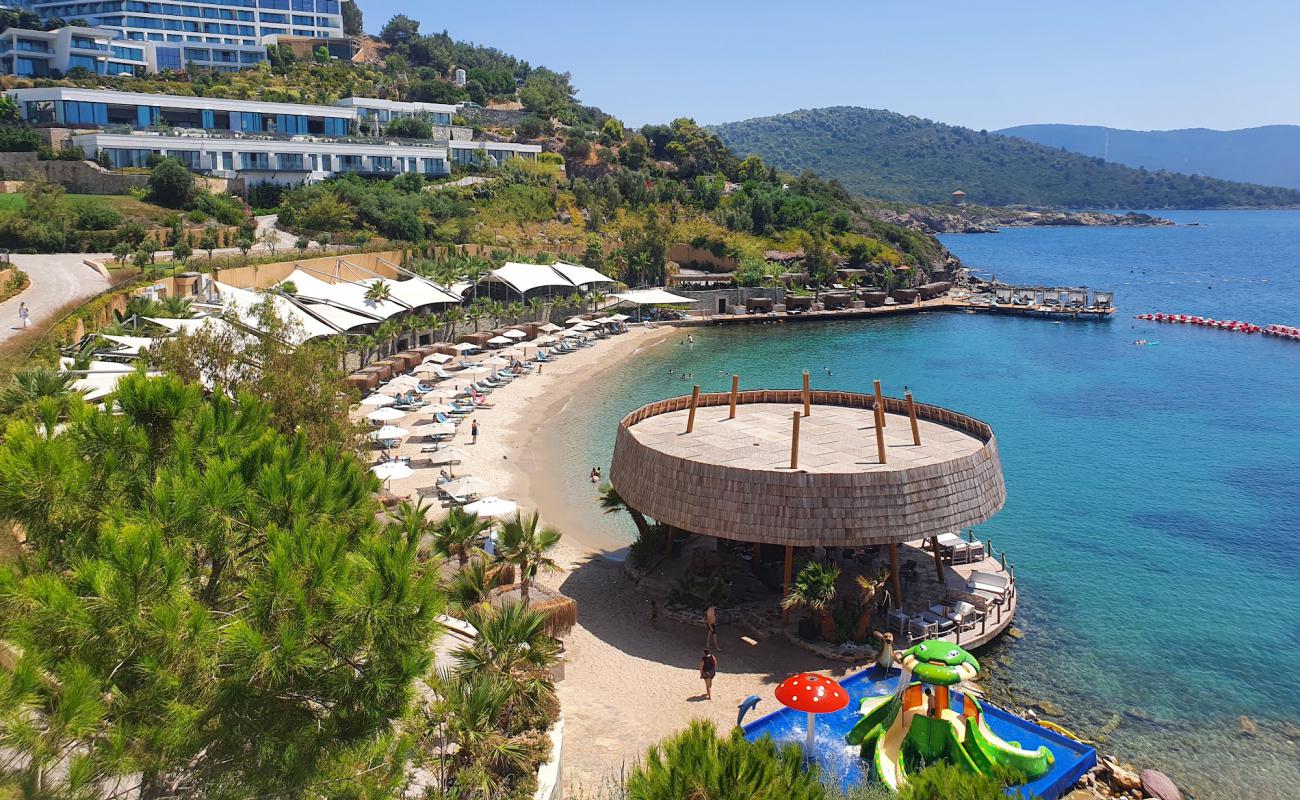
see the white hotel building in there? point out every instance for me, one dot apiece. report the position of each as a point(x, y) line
point(285, 143)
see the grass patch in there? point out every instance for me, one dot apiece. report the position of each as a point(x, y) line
point(131, 208)
point(14, 285)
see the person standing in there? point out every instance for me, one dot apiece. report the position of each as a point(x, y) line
point(473, 432)
point(708, 669)
point(24, 315)
point(711, 622)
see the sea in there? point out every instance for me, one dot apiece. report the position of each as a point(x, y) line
point(1153, 508)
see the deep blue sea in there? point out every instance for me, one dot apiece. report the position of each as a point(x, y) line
point(1153, 510)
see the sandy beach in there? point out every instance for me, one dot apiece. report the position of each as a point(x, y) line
point(626, 684)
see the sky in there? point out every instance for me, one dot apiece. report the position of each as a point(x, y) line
point(1140, 64)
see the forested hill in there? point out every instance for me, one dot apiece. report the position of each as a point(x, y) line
point(886, 155)
point(1269, 154)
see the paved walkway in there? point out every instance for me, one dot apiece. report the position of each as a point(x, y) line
point(56, 280)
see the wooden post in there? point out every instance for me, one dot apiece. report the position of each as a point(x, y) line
point(785, 586)
point(807, 395)
point(794, 442)
point(893, 575)
point(880, 432)
point(938, 560)
point(735, 392)
point(880, 402)
point(695, 401)
point(911, 414)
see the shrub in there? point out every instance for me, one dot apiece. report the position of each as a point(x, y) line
point(94, 215)
point(943, 781)
point(222, 207)
point(410, 128)
point(171, 184)
point(265, 195)
point(16, 139)
point(699, 593)
point(649, 546)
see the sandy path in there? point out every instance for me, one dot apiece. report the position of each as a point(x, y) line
point(627, 684)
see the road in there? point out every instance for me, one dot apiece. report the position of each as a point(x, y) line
point(56, 280)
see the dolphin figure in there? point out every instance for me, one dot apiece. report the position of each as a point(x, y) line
point(745, 707)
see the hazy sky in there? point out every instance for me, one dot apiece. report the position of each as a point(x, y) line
point(1143, 64)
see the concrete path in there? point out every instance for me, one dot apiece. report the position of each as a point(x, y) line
point(283, 240)
point(56, 280)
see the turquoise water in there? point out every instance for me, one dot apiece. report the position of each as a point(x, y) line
point(1153, 492)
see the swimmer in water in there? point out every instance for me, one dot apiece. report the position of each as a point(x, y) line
point(690, 338)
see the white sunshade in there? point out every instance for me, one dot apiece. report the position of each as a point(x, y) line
point(386, 414)
point(379, 400)
point(416, 291)
point(653, 297)
point(243, 302)
point(389, 432)
point(345, 295)
point(434, 429)
point(403, 382)
point(191, 325)
point(575, 320)
point(550, 327)
point(497, 361)
point(392, 470)
point(492, 507)
point(130, 345)
point(526, 277)
point(619, 317)
point(467, 485)
point(449, 455)
point(500, 340)
point(540, 340)
point(437, 408)
point(474, 371)
point(465, 347)
point(515, 333)
point(579, 275)
point(438, 358)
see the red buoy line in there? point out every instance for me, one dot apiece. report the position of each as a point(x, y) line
point(1237, 326)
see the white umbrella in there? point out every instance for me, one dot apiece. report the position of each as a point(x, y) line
point(574, 321)
point(438, 358)
point(403, 382)
point(500, 340)
point(550, 327)
point(515, 333)
point(492, 507)
point(496, 361)
point(475, 371)
point(600, 318)
point(379, 400)
point(467, 485)
point(437, 408)
point(510, 352)
point(385, 415)
point(392, 470)
point(620, 317)
point(464, 347)
point(434, 429)
point(609, 321)
point(389, 432)
point(427, 369)
point(544, 340)
point(450, 455)
point(443, 393)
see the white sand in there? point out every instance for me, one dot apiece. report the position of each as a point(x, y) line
point(626, 684)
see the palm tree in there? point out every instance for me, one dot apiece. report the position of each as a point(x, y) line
point(379, 292)
point(387, 333)
point(30, 386)
point(535, 308)
point(468, 713)
point(525, 545)
point(516, 311)
point(867, 591)
point(513, 648)
point(457, 535)
point(612, 503)
point(814, 589)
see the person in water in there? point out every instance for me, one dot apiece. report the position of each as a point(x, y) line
point(595, 474)
point(708, 670)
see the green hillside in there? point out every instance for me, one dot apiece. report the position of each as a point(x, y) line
point(890, 156)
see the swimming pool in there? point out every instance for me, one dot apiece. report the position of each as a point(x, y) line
point(838, 758)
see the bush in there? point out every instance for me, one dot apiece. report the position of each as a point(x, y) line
point(699, 593)
point(265, 195)
point(171, 184)
point(943, 781)
point(94, 215)
point(222, 207)
point(532, 126)
point(409, 128)
point(649, 547)
point(16, 139)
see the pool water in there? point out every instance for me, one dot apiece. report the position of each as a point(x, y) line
point(843, 762)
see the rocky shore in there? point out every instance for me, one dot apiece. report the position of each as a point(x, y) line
point(978, 219)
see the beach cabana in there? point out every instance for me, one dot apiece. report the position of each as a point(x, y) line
point(580, 276)
point(528, 280)
point(653, 297)
point(560, 611)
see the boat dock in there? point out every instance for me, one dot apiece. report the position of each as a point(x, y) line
point(958, 302)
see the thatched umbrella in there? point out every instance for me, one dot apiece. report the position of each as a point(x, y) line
point(561, 612)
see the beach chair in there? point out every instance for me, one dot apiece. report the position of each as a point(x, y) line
point(952, 548)
point(444, 419)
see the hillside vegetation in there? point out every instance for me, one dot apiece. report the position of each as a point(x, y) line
point(1268, 155)
point(890, 156)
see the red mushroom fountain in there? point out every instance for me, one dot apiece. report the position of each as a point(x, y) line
point(814, 694)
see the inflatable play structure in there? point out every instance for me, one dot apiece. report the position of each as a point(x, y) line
point(925, 722)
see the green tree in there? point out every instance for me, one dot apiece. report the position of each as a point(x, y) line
point(30, 386)
point(244, 243)
point(524, 542)
point(353, 23)
point(696, 763)
point(611, 502)
point(171, 184)
point(400, 30)
point(813, 588)
point(410, 128)
point(513, 649)
point(121, 252)
point(182, 251)
point(210, 241)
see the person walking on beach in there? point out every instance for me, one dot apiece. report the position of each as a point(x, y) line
point(24, 315)
point(711, 622)
point(654, 614)
point(473, 432)
point(708, 669)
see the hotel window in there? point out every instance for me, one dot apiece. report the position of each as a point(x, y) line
point(228, 161)
point(254, 161)
point(189, 158)
point(291, 161)
point(88, 63)
point(325, 163)
point(336, 127)
point(78, 113)
point(169, 58)
point(381, 163)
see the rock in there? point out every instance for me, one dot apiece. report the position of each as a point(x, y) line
point(1047, 707)
point(1015, 633)
point(1139, 715)
point(1081, 794)
point(1158, 785)
point(1246, 726)
point(1123, 779)
point(1289, 730)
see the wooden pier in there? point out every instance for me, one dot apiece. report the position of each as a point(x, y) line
point(946, 303)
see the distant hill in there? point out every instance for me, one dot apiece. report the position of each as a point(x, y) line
point(886, 155)
point(1269, 155)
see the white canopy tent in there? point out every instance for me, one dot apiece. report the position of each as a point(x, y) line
point(524, 278)
point(243, 304)
point(579, 275)
point(129, 345)
point(192, 325)
point(653, 297)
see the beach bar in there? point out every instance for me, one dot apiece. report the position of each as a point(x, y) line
point(823, 469)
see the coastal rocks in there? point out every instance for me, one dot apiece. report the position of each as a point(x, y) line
point(1289, 731)
point(1122, 779)
point(1158, 785)
point(948, 219)
point(1047, 707)
point(1015, 633)
point(1246, 726)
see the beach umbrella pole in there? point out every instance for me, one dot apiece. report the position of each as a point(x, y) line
point(812, 728)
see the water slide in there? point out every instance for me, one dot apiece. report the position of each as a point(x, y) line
point(986, 747)
point(889, 753)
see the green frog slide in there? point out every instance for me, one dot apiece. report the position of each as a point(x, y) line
point(917, 725)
